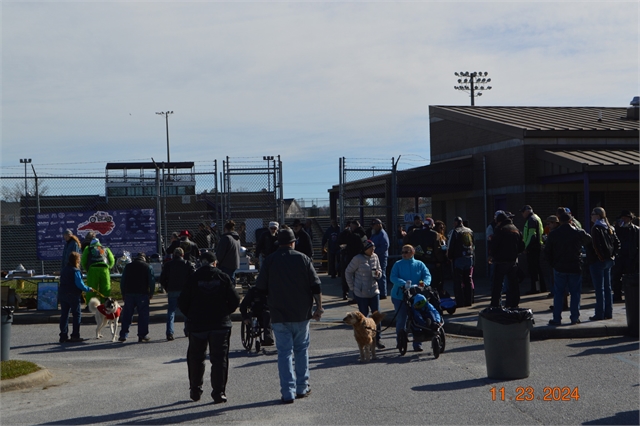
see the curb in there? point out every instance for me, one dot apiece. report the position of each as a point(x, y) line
point(30, 380)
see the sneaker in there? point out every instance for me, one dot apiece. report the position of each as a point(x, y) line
point(303, 395)
point(170, 337)
point(418, 349)
point(267, 342)
point(64, 339)
point(219, 398)
point(595, 318)
point(286, 401)
point(383, 297)
point(380, 345)
point(122, 339)
point(575, 322)
point(76, 340)
point(195, 394)
point(144, 339)
point(554, 323)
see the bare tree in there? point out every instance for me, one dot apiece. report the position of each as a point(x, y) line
point(14, 192)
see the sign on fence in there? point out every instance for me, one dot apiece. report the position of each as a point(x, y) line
point(119, 230)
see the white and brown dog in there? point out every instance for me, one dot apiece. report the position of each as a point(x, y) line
point(106, 313)
point(364, 330)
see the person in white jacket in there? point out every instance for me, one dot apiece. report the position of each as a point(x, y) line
point(362, 276)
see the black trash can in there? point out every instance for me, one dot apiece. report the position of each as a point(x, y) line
point(506, 341)
point(630, 283)
point(5, 340)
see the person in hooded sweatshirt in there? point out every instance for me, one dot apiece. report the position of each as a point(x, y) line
point(228, 250)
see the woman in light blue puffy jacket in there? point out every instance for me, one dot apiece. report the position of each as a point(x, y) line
point(362, 276)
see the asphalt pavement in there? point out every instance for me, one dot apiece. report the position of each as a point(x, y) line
point(463, 322)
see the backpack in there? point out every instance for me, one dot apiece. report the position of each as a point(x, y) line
point(97, 254)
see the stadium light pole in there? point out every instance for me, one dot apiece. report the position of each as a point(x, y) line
point(166, 116)
point(473, 82)
point(25, 161)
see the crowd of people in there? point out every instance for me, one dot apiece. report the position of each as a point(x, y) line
point(201, 282)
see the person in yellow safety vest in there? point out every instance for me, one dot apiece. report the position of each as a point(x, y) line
point(532, 236)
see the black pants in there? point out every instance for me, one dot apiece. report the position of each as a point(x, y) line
point(462, 287)
point(508, 269)
point(333, 262)
point(622, 265)
point(436, 277)
point(218, 343)
point(535, 271)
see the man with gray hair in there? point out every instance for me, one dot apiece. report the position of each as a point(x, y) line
point(268, 242)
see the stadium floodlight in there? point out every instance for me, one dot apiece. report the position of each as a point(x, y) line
point(474, 78)
point(166, 115)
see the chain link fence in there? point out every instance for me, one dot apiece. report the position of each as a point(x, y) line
point(253, 194)
point(179, 199)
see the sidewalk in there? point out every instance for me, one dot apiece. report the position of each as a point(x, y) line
point(463, 322)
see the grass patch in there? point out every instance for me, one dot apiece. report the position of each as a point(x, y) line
point(14, 368)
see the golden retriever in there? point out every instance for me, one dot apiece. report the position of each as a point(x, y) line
point(364, 329)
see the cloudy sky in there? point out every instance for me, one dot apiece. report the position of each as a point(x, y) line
point(309, 81)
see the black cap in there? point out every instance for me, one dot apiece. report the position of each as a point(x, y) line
point(501, 217)
point(141, 256)
point(296, 222)
point(286, 236)
point(209, 256)
point(526, 208)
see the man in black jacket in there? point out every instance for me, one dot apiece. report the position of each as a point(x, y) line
point(208, 300)
point(505, 246)
point(563, 249)
point(303, 240)
point(173, 278)
point(137, 286)
point(627, 260)
point(461, 252)
point(291, 284)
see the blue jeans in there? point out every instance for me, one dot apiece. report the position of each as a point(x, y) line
point(563, 282)
point(402, 313)
point(70, 303)
point(382, 282)
point(131, 302)
point(171, 310)
point(601, 277)
point(292, 341)
point(366, 303)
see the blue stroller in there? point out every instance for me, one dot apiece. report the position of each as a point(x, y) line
point(424, 320)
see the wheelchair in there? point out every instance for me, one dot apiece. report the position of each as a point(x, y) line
point(251, 334)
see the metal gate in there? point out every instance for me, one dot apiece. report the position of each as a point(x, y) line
point(252, 194)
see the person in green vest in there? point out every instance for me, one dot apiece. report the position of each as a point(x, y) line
point(532, 236)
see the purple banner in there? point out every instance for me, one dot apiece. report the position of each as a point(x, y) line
point(119, 230)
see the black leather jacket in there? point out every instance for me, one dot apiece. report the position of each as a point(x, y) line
point(564, 248)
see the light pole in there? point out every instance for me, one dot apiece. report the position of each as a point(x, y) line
point(25, 161)
point(166, 116)
point(473, 82)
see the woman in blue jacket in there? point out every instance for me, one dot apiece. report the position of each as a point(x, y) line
point(406, 269)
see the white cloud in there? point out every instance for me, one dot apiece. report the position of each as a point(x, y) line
point(305, 80)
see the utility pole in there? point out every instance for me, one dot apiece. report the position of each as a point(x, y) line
point(473, 82)
point(25, 161)
point(166, 116)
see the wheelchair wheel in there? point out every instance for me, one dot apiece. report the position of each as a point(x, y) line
point(246, 336)
point(443, 339)
point(403, 341)
point(451, 311)
point(435, 345)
